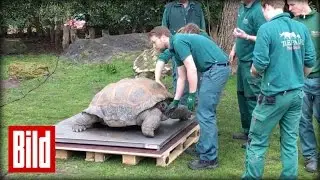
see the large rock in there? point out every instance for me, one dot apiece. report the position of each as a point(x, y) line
point(102, 49)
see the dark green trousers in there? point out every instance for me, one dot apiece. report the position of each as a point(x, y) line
point(248, 88)
point(285, 110)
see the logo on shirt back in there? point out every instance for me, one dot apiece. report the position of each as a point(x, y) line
point(291, 40)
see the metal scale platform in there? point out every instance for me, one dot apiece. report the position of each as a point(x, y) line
point(121, 137)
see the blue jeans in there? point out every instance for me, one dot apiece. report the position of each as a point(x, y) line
point(311, 106)
point(212, 84)
point(184, 97)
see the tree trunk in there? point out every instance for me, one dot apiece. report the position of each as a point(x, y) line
point(46, 33)
point(228, 23)
point(20, 33)
point(57, 37)
point(39, 29)
point(52, 34)
point(92, 33)
point(29, 31)
point(66, 37)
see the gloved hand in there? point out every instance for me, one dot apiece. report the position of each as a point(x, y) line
point(191, 101)
point(172, 106)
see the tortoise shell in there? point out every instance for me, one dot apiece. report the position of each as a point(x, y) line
point(120, 103)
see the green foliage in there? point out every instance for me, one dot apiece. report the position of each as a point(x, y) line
point(108, 68)
point(126, 15)
point(212, 11)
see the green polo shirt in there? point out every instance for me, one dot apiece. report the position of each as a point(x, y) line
point(283, 47)
point(166, 55)
point(312, 21)
point(204, 51)
point(250, 18)
point(176, 16)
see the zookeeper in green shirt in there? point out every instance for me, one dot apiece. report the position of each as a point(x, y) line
point(176, 15)
point(283, 55)
point(250, 18)
point(311, 101)
point(164, 57)
point(194, 52)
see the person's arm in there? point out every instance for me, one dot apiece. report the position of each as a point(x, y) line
point(310, 53)
point(163, 59)
point(192, 74)
point(239, 33)
point(307, 71)
point(180, 82)
point(158, 72)
point(258, 20)
point(232, 54)
point(261, 58)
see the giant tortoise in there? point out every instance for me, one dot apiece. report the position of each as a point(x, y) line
point(129, 102)
point(144, 65)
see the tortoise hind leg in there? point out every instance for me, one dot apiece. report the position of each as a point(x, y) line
point(83, 121)
point(150, 121)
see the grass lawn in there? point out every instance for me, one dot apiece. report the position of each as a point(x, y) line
point(71, 89)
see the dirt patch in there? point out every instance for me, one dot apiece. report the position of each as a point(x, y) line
point(10, 83)
point(104, 48)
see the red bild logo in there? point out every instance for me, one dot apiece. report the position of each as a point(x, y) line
point(31, 149)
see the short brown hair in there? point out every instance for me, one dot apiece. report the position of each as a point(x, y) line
point(190, 28)
point(274, 3)
point(159, 31)
point(298, 1)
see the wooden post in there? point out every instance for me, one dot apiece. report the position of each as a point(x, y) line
point(89, 156)
point(66, 37)
point(105, 32)
point(73, 35)
point(130, 159)
point(100, 157)
point(62, 154)
point(92, 33)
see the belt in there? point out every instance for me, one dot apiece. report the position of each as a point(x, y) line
point(222, 64)
point(313, 77)
point(218, 64)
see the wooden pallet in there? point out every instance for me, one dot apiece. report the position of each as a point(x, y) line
point(132, 156)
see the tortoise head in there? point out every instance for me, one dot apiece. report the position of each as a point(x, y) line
point(162, 105)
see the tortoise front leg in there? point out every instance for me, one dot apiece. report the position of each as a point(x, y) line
point(83, 121)
point(151, 121)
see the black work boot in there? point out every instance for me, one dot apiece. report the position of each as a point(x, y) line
point(202, 164)
point(311, 166)
point(243, 136)
point(192, 151)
